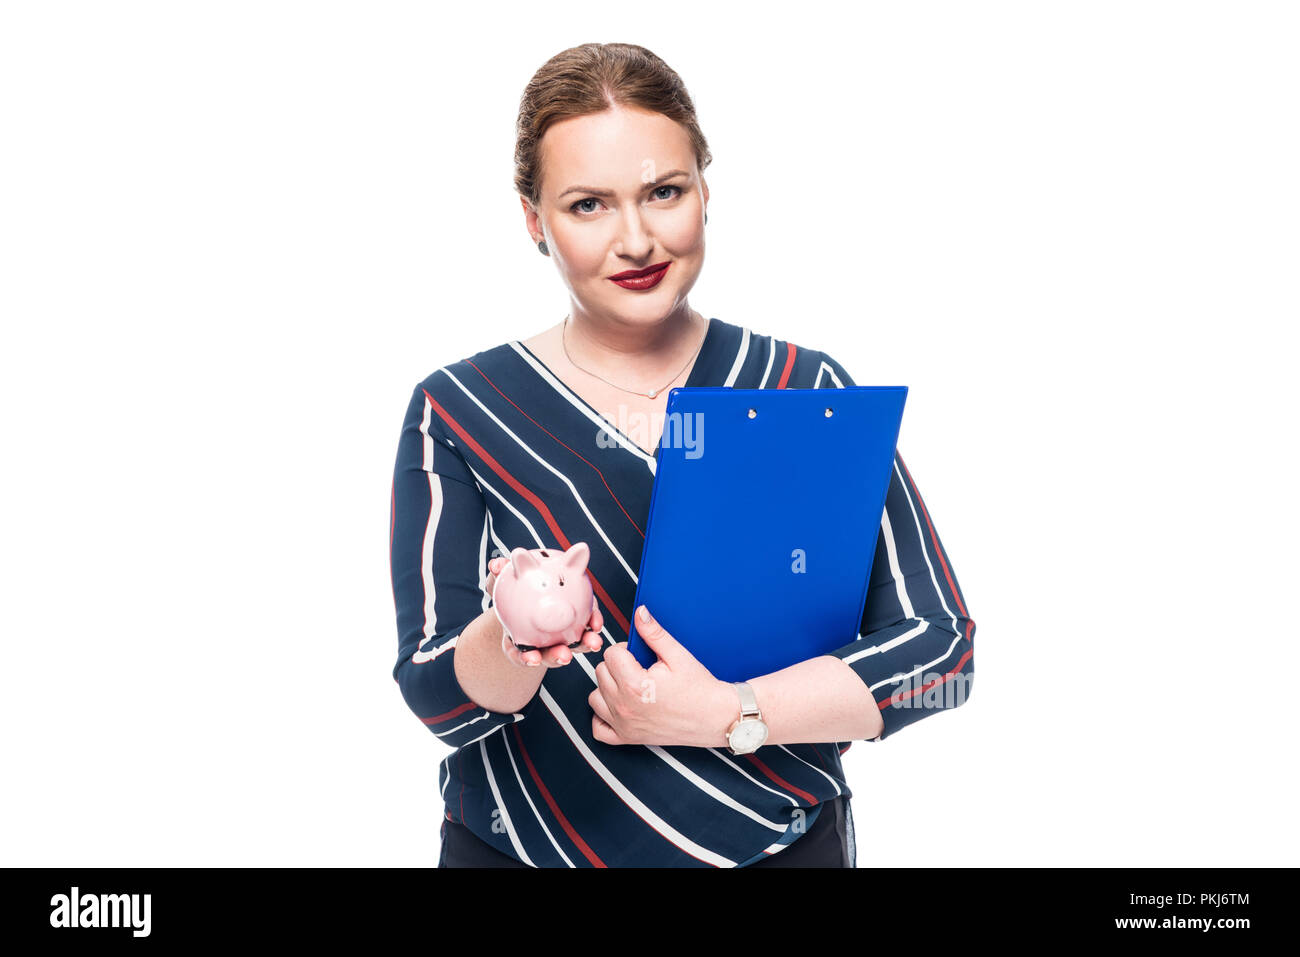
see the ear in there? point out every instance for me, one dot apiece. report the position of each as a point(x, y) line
point(576, 558)
point(523, 560)
point(530, 219)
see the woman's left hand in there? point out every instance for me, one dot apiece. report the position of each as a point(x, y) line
point(676, 701)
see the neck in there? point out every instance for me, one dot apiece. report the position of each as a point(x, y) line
point(633, 353)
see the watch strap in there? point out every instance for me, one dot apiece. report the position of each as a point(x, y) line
point(748, 703)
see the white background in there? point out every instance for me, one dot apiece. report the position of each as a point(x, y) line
point(235, 235)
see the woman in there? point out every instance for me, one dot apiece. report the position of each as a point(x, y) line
point(560, 759)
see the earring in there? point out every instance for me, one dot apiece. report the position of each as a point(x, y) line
point(541, 248)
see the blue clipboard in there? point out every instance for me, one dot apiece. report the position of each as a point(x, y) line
point(764, 516)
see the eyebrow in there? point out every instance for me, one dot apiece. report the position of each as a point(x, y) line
point(607, 192)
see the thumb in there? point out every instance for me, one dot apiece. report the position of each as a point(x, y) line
point(668, 648)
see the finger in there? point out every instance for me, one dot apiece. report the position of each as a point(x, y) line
point(557, 656)
point(599, 707)
point(609, 689)
point(668, 649)
point(623, 667)
point(603, 731)
point(521, 658)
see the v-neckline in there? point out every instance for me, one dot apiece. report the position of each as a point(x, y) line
point(702, 362)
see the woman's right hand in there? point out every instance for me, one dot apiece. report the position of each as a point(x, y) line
point(556, 655)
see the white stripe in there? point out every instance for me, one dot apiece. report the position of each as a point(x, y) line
point(741, 355)
point(554, 471)
point(831, 372)
point(891, 644)
point(582, 407)
point(523, 521)
point(834, 783)
point(501, 806)
point(708, 788)
point(900, 581)
point(527, 797)
point(420, 656)
point(924, 551)
point(482, 556)
point(430, 526)
point(634, 802)
point(484, 716)
point(956, 639)
point(771, 355)
point(727, 760)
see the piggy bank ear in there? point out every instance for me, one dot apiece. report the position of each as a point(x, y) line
point(523, 560)
point(576, 558)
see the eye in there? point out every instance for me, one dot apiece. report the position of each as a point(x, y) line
point(580, 208)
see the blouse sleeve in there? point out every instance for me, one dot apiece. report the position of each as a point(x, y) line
point(438, 552)
point(915, 649)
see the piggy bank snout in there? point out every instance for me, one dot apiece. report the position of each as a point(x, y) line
point(553, 614)
point(545, 597)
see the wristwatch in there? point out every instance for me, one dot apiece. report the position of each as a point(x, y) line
point(748, 732)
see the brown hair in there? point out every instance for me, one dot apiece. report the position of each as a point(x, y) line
point(592, 78)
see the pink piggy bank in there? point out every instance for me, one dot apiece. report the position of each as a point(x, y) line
point(543, 596)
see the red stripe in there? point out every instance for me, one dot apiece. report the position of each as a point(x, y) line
point(555, 808)
point(935, 539)
point(557, 439)
point(536, 502)
point(780, 780)
point(820, 759)
point(937, 681)
point(447, 715)
point(789, 364)
point(846, 747)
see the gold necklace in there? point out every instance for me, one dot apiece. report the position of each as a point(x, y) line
point(653, 392)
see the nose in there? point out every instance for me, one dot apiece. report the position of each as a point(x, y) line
point(634, 239)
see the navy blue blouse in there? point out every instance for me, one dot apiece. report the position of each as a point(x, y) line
point(495, 453)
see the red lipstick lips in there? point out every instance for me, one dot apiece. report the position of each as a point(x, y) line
point(646, 278)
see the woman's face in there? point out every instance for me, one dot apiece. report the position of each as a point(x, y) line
point(620, 192)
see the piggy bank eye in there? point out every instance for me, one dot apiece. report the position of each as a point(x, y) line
point(561, 579)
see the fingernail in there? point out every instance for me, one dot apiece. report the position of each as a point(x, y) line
point(642, 614)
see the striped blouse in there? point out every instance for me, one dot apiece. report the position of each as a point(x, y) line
point(496, 452)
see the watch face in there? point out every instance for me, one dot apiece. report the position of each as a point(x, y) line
point(749, 735)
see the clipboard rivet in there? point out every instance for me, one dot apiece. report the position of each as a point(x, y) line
point(752, 413)
point(829, 413)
